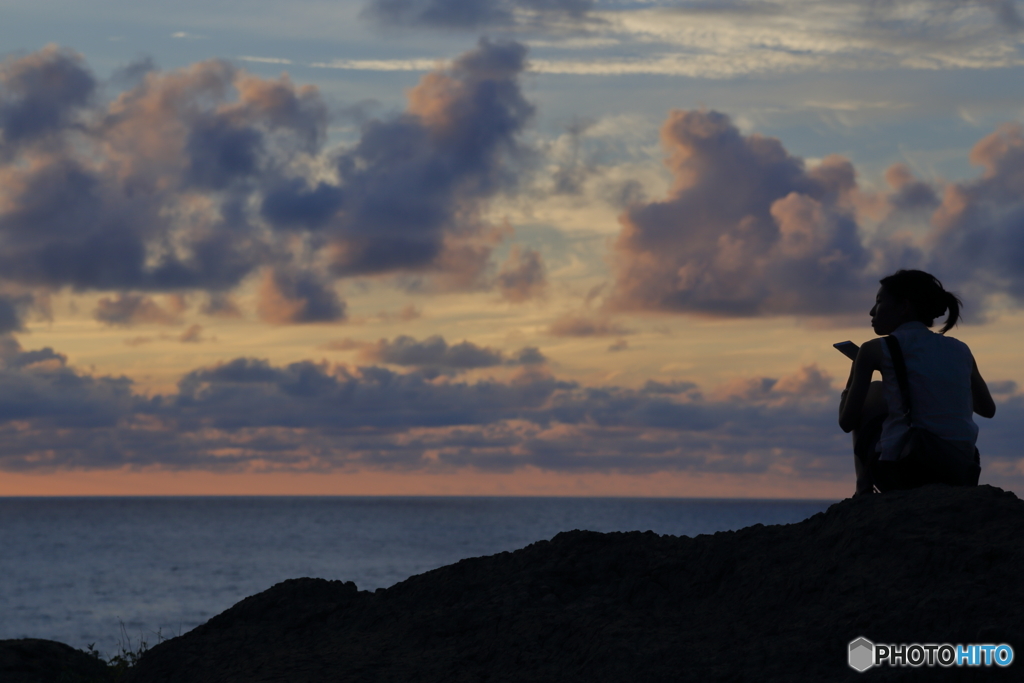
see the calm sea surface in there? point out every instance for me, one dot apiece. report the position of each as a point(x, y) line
point(76, 569)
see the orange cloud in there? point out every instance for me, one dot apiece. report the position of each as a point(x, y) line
point(289, 298)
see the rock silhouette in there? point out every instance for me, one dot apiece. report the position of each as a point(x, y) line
point(34, 660)
point(779, 603)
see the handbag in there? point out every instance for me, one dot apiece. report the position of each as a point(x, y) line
point(924, 457)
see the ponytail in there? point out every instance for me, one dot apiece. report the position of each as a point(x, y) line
point(926, 295)
point(953, 303)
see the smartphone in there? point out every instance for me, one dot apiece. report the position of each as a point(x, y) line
point(848, 349)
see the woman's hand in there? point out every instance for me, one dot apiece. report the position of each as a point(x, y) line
point(851, 406)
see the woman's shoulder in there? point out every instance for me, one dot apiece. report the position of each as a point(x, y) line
point(871, 351)
point(945, 355)
point(953, 342)
point(875, 344)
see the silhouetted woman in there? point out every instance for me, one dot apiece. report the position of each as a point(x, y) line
point(945, 385)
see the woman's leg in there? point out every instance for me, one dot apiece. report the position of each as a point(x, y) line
point(865, 437)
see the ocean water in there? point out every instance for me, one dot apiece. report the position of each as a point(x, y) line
point(109, 571)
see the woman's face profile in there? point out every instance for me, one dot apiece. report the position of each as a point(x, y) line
point(888, 313)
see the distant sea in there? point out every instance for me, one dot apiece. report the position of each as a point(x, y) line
point(105, 570)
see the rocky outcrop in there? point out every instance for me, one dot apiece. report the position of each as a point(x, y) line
point(777, 603)
point(781, 603)
point(33, 660)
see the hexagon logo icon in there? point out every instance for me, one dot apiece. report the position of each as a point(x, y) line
point(862, 654)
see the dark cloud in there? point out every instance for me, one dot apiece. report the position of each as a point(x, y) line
point(746, 229)
point(12, 311)
point(523, 276)
point(155, 191)
point(294, 205)
point(131, 309)
point(252, 393)
point(290, 297)
point(528, 355)
point(247, 414)
point(977, 238)
point(471, 14)
point(809, 382)
point(110, 206)
point(382, 419)
point(654, 387)
point(220, 152)
point(40, 94)
point(409, 193)
point(585, 325)
point(434, 353)
point(413, 186)
point(39, 387)
point(910, 193)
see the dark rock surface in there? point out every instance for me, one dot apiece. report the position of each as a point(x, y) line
point(781, 603)
point(32, 660)
point(776, 603)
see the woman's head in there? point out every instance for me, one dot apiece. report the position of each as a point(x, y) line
point(913, 295)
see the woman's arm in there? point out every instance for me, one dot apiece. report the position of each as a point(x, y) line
point(983, 403)
point(851, 407)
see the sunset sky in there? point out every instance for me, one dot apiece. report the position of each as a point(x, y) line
point(486, 247)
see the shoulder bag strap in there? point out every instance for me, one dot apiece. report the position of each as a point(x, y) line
point(900, 366)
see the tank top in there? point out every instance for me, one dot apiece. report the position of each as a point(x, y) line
point(939, 374)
